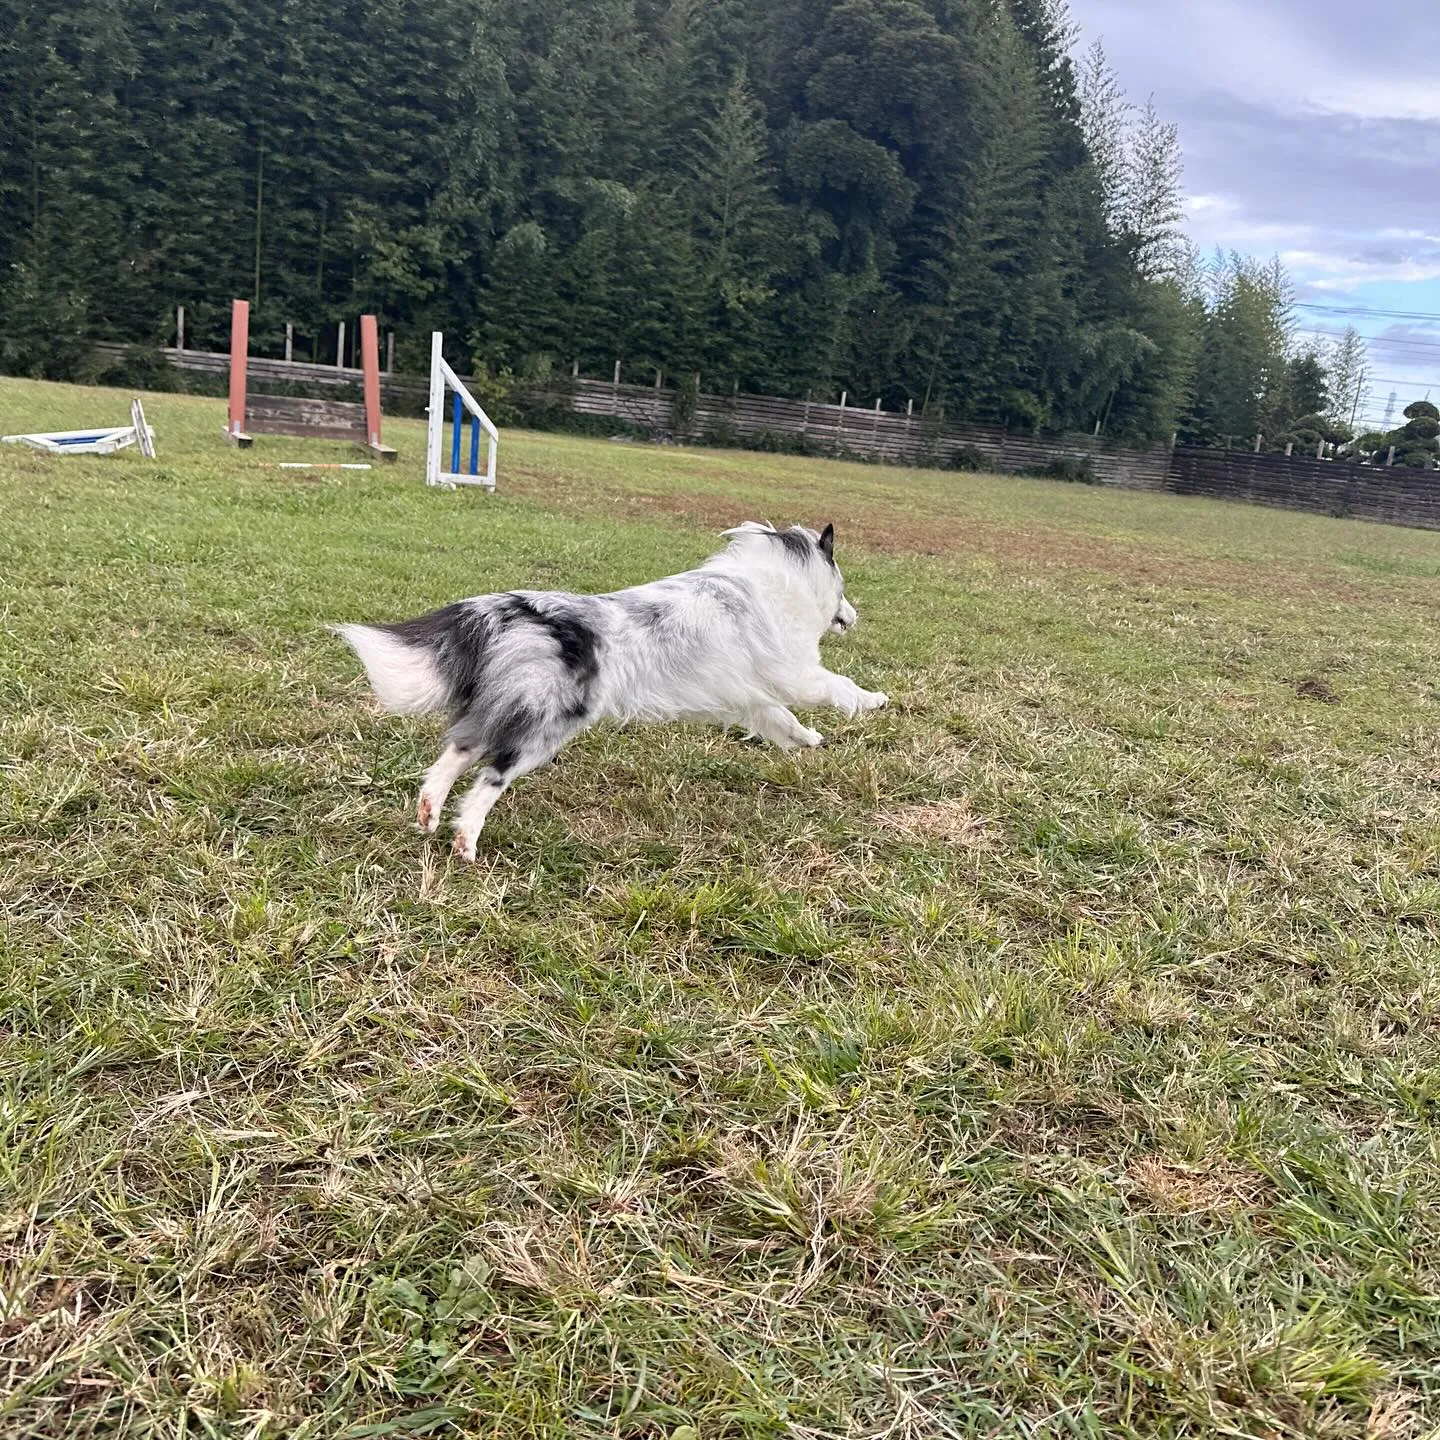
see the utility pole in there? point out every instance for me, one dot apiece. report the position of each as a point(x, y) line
point(259, 213)
point(1359, 391)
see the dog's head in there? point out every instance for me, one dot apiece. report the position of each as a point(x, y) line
point(811, 554)
point(845, 616)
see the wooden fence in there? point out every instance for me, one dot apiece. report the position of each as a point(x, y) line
point(893, 437)
point(1326, 487)
point(299, 373)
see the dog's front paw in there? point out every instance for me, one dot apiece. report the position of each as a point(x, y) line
point(873, 700)
point(462, 847)
point(427, 815)
point(800, 738)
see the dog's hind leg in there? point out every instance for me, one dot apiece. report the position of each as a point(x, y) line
point(475, 805)
point(497, 777)
point(777, 725)
point(454, 761)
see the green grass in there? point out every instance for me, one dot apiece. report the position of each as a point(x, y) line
point(1054, 1054)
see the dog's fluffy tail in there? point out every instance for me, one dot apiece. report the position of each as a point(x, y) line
point(405, 675)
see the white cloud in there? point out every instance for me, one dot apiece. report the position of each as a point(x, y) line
point(1309, 131)
point(1408, 235)
point(1390, 97)
point(1342, 274)
point(1291, 54)
point(1212, 220)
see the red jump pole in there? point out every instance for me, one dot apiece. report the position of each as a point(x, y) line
point(370, 360)
point(370, 363)
point(239, 354)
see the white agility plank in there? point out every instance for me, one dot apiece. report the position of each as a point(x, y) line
point(76, 442)
point(95, 432)
point(98, 440)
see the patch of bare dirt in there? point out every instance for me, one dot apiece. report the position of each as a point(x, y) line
point(1312, 687)
point(950, 820)
point(924, 531)
point(1215, 1189)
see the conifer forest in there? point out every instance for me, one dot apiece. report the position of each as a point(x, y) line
point(947, 202)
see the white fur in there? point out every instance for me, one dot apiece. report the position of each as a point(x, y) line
point(743, 671)
point(734, 642)
point(404, 679)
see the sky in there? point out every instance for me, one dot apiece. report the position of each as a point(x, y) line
point(1311, 130)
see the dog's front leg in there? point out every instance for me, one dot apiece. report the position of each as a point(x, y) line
point(823, 687)
point(777, 725)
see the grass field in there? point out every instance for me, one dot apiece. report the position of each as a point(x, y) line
point(1056, 1053)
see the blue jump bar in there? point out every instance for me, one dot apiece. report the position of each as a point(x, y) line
point(474, 445)
point(455, 430)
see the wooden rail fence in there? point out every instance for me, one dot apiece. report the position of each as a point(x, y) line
point(1325, 487)
point(893, 437)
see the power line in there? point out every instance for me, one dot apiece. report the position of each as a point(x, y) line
point(1366, 310)
point(1374, 339)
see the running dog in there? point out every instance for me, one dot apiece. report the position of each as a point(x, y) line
point(734, 642)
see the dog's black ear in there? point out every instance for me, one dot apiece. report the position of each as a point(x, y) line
point(827, 542)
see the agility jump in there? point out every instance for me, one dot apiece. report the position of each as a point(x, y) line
point(310, 419)
point(442, 377)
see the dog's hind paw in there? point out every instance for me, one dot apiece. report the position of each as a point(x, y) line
point(427, 815)
point(462, 847)
point(873, 700)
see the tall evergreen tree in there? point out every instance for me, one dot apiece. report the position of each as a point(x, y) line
point(1348, 365)
point(1105, 118)
point(1240, 385)
point(1152, 197)
point(737, 228)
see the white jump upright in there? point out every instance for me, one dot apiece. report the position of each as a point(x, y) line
point(441, 377)
point(144, 435)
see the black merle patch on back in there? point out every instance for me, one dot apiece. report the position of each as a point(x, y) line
point(577, 642)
